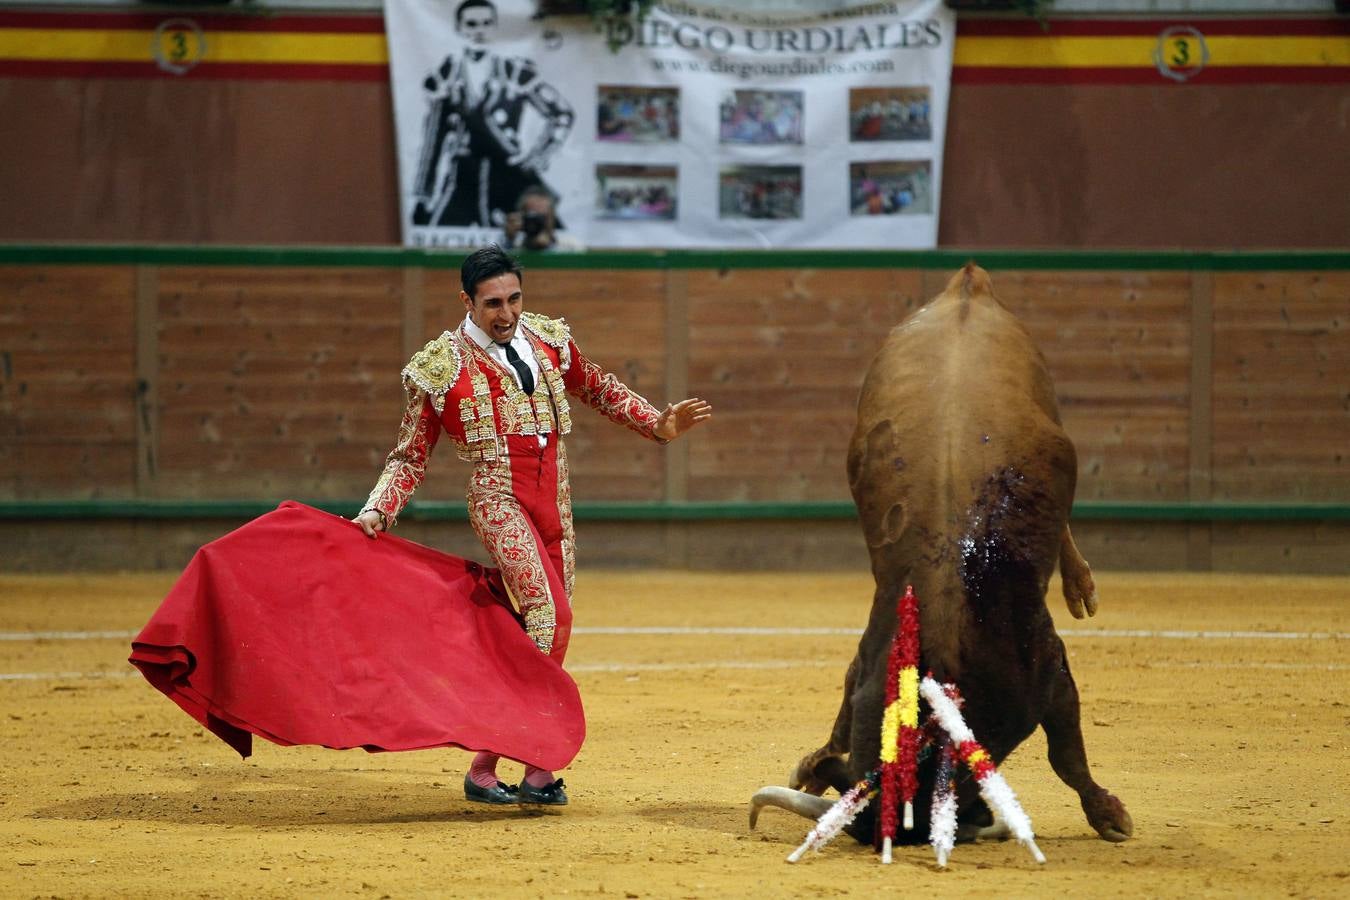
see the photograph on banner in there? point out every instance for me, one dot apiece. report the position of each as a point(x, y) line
point(890, 187)
point(489, 129)
point(761, 117)
point(711, 127)
point(760, 192)
point(889, 114)
point(644, 115)
point(636, 192)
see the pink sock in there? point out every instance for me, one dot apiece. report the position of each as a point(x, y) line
point(483, 771)
point(538, 777)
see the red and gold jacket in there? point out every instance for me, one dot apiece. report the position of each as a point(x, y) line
point(453, 385)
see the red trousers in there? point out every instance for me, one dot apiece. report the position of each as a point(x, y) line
point(520, 507)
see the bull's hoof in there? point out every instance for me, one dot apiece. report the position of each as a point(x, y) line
point(1081, 598)
point(1109, 833)
point(1108, 817)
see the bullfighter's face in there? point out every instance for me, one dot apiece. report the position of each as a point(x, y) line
point(476, 24)
point(496, 306)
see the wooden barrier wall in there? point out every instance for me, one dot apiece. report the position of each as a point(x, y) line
point(189, 381)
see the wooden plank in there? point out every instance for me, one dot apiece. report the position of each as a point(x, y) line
point(779, 546)
point(1311, 548)
point(1199, 536)
point(1281, 418)
point(414, 312)
point(279, 294)
point(147, 379)
point(255, 400)
point(1129, 546)
point(934, 283)
point(677, 381)
point(67, 381)
point(44, 467)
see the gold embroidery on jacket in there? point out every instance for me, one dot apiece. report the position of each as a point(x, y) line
point(553, 332)
point(405, 466)
point(569, 538)
point(476, 414)
point(436, 367)
point(559, 414)
point(487, 423)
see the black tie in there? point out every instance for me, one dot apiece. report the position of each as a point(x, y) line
point(526, 376)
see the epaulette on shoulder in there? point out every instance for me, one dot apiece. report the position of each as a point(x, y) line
point(518, 70)
point(436, 367)
point(553, 332)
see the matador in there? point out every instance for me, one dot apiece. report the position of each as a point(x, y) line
point(499, 385)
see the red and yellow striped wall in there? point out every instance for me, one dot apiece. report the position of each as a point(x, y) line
point(1143, 51)
point(1003, 51)
point(150, 45)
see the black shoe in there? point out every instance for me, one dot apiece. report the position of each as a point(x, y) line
point(498, 793)
point(548, 795)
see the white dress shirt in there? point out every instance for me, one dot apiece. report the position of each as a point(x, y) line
point(498, 352)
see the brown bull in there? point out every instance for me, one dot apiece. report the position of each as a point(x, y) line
point(964, 480)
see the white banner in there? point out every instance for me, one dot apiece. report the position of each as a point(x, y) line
point(704, 128)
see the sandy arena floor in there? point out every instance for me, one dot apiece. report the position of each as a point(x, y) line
point(1229, 749)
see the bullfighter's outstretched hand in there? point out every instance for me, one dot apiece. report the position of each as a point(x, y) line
point(677, 419)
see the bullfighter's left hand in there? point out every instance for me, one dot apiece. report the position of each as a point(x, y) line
point(677, 419)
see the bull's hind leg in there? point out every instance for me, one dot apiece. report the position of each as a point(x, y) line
point(1080, 591)
point(826, 767)
point(1064, 735)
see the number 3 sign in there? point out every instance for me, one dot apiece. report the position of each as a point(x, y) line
point(1181, 52)
point(178, 45)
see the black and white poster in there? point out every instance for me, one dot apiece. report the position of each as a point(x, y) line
point(697, 127)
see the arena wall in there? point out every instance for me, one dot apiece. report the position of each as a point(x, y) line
point(152, 398)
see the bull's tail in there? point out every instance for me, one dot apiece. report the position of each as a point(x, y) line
point(974, 281)
point(969, 283)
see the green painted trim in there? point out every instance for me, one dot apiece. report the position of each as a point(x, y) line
point(943, 259)
point(436, 511)
point(164, 255)
point(1210, 512)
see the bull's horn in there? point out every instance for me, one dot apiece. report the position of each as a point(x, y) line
point(803, 804)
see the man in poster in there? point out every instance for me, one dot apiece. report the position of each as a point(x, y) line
point(473, 166)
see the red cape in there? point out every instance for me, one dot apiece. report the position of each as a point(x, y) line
point(300, 629)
